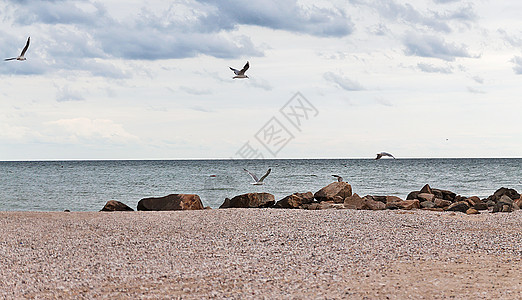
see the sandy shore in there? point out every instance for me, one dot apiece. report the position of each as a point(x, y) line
point(261, 253)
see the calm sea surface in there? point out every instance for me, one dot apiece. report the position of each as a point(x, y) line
point(88, 185)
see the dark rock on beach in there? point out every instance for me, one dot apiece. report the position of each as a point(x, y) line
point(354, 202)
point(334, 192)
point(505, 204)
point(171, 202)
point(113, 205)
point(461, 206)
point(250, 200)
point(511, 193)
point(295, 200)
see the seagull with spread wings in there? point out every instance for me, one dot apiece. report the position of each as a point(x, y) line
point(241, 73)
point(260, 180)
point(21, 57)
point(379, 155)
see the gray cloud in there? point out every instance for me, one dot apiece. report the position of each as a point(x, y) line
point(283, 15)
point(343, 82)
point(433, 46)
point(517, 60)
point(204, 27)
point(429, 68)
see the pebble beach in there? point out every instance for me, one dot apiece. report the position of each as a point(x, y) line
point(261, 254)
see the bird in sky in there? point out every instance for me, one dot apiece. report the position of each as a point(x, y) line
point(21, 57)
point(379, 155)
point(254, 177)
point(339, 178)
point(241, 73)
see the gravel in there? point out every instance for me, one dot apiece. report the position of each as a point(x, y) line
point(261, 254)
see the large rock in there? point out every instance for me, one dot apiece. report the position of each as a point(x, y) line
point(171, 202)
point(505, 204)
point(113, 205)
point(425, 197)
point(354, 202)
point(329, 192)
point(441, 203)
point(461, 206)
point(408, 204)
point(295, 200)
point(250, 200)
point(511, 193)
point(371, 204)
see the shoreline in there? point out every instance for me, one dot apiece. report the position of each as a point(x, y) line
point(256, 253)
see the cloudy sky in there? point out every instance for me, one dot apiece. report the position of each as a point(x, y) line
point(328, 79)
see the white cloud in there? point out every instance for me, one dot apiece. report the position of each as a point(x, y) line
point(343, 82)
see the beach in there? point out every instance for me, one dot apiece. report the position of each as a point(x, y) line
point(261, 253)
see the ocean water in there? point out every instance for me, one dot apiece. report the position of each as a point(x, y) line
point(88, 185)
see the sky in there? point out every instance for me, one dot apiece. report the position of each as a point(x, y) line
point(327, 79)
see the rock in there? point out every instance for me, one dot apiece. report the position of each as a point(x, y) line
point(295, 200)
point(444, 194)
point(409, 204)
point(371, 204)
point(392, 199)
point(504, 204)
point(392, 205)
point(323, 205)
point(354, 202)
point(425, 197)
point(426, 190)
point(461, 206)
point(472, 211)
point(412, 195)
point(250, 200)
point(473, 200)
point(480, 206)
point(518, 202)
point(328, 193)
point(511, 193)
point(441, 203)
point(171, 202)
point(428, 204)
point(113, 205)
point(66, 210)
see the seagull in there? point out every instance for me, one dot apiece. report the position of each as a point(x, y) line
point(379, 155)
point(258, 181)
point(339, 178)
point(21, 57)
point(240, 73)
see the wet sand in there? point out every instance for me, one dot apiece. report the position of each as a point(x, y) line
point(261, 253)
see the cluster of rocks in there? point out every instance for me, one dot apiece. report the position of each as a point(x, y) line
point(339, 195)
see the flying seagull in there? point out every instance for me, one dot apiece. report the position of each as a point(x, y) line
point(21, 57)
point(258, 181)
point(241, 73)
point(379, 155)
point(339, 178)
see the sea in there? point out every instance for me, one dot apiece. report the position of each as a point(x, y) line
point(88, 184)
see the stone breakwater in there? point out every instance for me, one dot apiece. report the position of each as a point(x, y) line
point(338, 195)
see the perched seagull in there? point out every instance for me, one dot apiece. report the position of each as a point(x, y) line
point(240, 73)
point(258, 181)
point(339, 178)
point(379, 155)
point(21, 57)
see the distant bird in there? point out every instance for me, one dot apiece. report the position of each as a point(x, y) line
point(379, 155)
point(258, 181)
point(241, 73)
point(21, 57)
point(339, 178)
